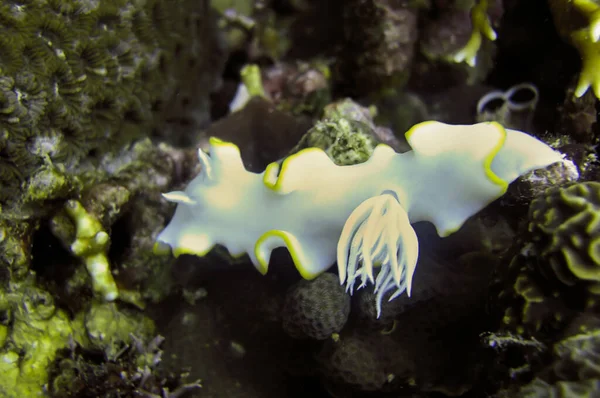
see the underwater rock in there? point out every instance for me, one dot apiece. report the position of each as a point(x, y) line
point(578, 23)
point(577, 116)
point(263, 133)
point(378, 47)
point(446, 34)
point(301, 88)
point(534, 183)
point(346, 133)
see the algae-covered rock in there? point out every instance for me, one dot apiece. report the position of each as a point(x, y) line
point(46, 301)
point(109, 328)
point(347, 133)
point(38, 331)
point(379, 44)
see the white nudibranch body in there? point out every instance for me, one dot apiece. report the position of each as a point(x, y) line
point(359, 215)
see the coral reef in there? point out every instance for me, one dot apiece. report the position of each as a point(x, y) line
point(547, 297)
point(37, 330)
point(316, 309)
point(134, 370)
point(41, 261)
point(103, 106)
point(347, 133)
point(566, 234)
point(553, 276)
point(82, 78)
point(572, 367)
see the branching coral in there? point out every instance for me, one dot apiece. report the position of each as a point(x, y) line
point(578, 22)
point(91, 244)
point(482, 28)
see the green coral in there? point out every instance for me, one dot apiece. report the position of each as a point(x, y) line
point(565, 224)
point(555, 273)
point(482, 28)
point(252, 79)
point(91, 245)
point(561, 389)
point(78, 78)
point(345, 133)
point(345, 141)
point(109, 328)
point(578, 22)
point(528, 303)
point(38, 330)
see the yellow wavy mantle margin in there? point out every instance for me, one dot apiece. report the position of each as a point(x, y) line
point(303, 203)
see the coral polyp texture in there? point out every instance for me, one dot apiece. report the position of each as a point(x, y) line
point(360, 214)
point(78, 78)
point(481, 29)
point(315, 309)
point(565, 224)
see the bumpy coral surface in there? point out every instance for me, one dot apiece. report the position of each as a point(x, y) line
point(565, 223)
point(556, 275)
point(316, 309)
point(77, 77)
point(355, 361)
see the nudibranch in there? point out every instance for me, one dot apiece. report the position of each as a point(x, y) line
point(359, 215)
